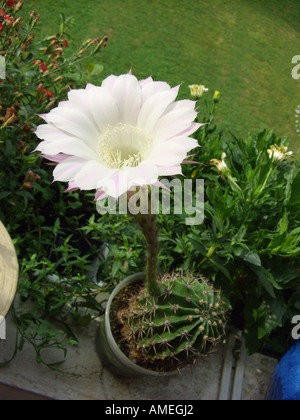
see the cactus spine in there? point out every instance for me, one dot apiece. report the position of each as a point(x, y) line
point(187, 319)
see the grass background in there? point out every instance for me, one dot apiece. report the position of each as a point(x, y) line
point(242, 48)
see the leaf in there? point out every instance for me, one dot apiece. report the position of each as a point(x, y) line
point(266, 279)
point(116, 267)
point(73, 76)
point(247, 254)
point(283, 224)
point(199, 247)
point(285, 273)
point(271, 314)
point(218, 263)
point(295, 195)
point(94, 69)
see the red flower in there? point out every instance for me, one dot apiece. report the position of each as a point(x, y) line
point(5, 16)
point(50, 94)
point(65, 43)
point(11, 3)
point(1, 26)
point(43, 66)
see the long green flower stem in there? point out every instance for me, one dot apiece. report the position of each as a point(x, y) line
point(147, 223)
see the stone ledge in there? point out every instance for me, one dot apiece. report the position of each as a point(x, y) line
point(83, 377)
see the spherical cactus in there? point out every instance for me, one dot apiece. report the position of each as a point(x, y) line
point(186, 320)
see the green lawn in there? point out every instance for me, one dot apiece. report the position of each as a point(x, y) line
point(243, 48)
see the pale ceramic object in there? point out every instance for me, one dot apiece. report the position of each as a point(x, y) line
point(9, 271)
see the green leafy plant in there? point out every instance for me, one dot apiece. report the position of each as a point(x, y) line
point(39, 73)
point(249, 243)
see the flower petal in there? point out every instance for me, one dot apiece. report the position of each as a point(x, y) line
point(68, 169)
point(154, 107)
point(75, 123)
point(177, 118)
point(172, 152)
point(70, 146)
point(127, 93)
point(91, 174)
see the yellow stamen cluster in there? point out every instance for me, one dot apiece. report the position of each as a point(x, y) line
point(123, 146)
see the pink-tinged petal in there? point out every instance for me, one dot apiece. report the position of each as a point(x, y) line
point(57, 158)
point(122, 181)
point(115, 186)
point(144, 174)
point(100, 195)
point(144, 82)
point(91, 173)
point(75, 123)
point(187, 162)
point(177, 118)
point(109, 82)
point(170, 170)
point(89, 86)
point(72, 187)
point(127, 94)
point(154, 108)
point(73, 147)
point(161, 185)
point(65, 104)
point(191, 130)
point(50, 133)
point(43, 116)
point(67, 170)
point(172, 152)
point(150, 88)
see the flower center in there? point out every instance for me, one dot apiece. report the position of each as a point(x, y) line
point(123, 146)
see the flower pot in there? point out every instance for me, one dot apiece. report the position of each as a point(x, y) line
point(9, 271)
point(108, 350)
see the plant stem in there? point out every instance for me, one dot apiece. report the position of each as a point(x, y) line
point(147, 223)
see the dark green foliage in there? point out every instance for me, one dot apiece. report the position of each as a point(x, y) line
point(249, 243)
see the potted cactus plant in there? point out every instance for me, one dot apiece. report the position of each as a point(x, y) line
point(157, 324)
point(142, 334)
point(119, 138)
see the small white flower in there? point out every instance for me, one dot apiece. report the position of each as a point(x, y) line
point(220, 164)
point(123, 134)
point(197, 91)
point(278, 154)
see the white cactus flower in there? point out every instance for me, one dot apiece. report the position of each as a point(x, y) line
point(122, 134)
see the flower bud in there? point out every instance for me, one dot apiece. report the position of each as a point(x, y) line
point(9, 121)
point(58, 79)
point(216, 97)
point(17, 21)
point(19, 6)
point(40, 88)
point(35, 21)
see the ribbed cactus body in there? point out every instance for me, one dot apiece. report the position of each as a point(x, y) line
point(185, 320)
